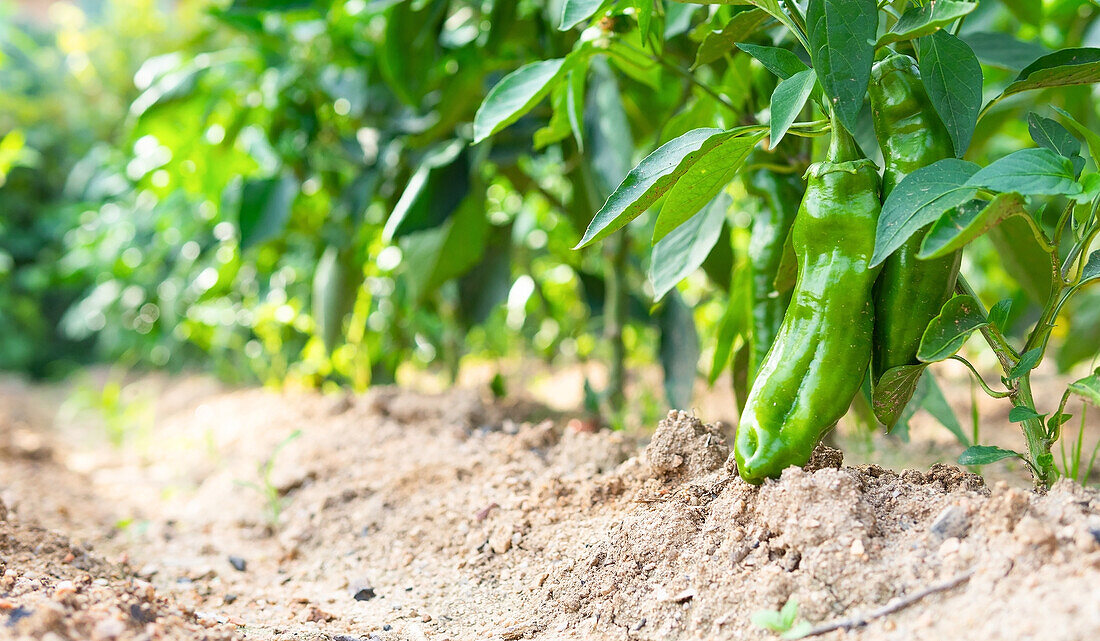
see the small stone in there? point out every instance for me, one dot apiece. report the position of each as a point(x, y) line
point(500, 541)
point(63, 589)
point(949, 546)
point(108, 629)
point(952, 522)
point(238, 563)
point(857, 548)
point(387, 627)
point(364, 594)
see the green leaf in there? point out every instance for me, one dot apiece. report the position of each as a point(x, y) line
point(265, 208)
point(434, 192)
point(567, 118)
point(919, 199)
point(841, 35)
point(577, 11)
point(679, 350)
point(1052, 135)
point(732, 324)
point(1023, 257)
point(1059, 69)
point(1028, 361)
point(336, 280)
point(893, 392)
point(252, 6)
point(782, 62)
point(950, 73)
point(681, 252)
point(1092, 139)
point(1003, 50)
point(1088, 387)
point(651, 179)
point(958, 226)
point(1091, 270)
point(788, 99)
point(998, 314)
point(515, 95)
point(923, 20)
point(936, 404)
point(1027, 11)
point(701, 182)
point(1019, 414)
point(947, 332)
point(769, 620)
point(719, 43)
point(434, 256)
point(1032, 172)
point(985, 454)
point(610, 148)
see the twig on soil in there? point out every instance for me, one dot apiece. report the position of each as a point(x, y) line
point(863, 619)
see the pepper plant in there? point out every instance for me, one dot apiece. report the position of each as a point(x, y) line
point(931, 98)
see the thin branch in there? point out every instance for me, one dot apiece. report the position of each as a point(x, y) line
point(890, 608)
point(981, 381)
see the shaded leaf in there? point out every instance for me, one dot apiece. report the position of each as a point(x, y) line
point(952, 77)
point(434, 192)
point(336, 280)
point(265, 208)
point(958, 226)
point(998, 314)
point(841, 35)
point(1091, 271)
point(919, 199)
point(1050, 134)
point(1003, 50)
point(1092, 139)
point(1023, 258)
point(681, 252)
point(947, 332)
point(719, 43)
point(1028, 361)
point(893, 392)
point(679, 350)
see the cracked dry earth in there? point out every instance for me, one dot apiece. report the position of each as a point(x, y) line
point(409, 516)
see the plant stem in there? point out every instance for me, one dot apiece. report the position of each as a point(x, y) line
point(1038, 445)
point(980, 380)
point(614, 314)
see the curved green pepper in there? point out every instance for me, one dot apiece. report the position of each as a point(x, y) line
point(780, 195)
point(817, 363)
point(910, 291)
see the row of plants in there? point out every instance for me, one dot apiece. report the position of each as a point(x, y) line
point(323, 192)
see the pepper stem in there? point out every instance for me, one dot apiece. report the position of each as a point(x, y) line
point(842, 147)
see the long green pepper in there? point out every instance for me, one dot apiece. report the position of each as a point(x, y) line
point(779, 194)
point(910, 291)
point(816, 365)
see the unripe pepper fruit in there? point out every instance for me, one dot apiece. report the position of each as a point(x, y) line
point(818, 360)
point(910, 291)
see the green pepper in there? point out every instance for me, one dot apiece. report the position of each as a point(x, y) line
point(780, 194)
point(817, 363)
point(910, 291)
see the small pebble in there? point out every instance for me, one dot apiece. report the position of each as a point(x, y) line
point(387, 627)
point(365, 594)
point(952, 522)
point(238, 563)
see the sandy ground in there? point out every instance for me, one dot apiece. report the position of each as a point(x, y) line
point(401, 515)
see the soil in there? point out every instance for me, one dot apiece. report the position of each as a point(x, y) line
point(403, 515)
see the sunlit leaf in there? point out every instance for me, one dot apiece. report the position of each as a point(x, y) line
point(782, 62)
point(962, 224)
point(789, 98)
point(1031, 172)
point(922, 20)
point(985, 454)
point(515, 95)
point(1088, 387)
point(1059, 69)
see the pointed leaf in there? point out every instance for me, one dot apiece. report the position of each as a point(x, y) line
point(998, 314)
point(893, 392)
point(841, 34)
point(1091, 271)
point(1019, 414)
point(919, 199)
point(1032, 172)
point(703, 181)
point(953, 78)
point(265, 208)
point(434, 192)
point(788, 99)
point(985, 454)
point(782, 62)
point(515, 95)
point(1050, 134)
point(958, 226)
point(651, 179)
point(947, 332)
point(1028, 361)
point(1059, 69)
point(681, 252)
point(1092, 139)
point(923, 20)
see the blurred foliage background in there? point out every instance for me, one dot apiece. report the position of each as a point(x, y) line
point(283, 191)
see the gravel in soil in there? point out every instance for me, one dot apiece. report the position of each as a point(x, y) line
point(398, 515)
